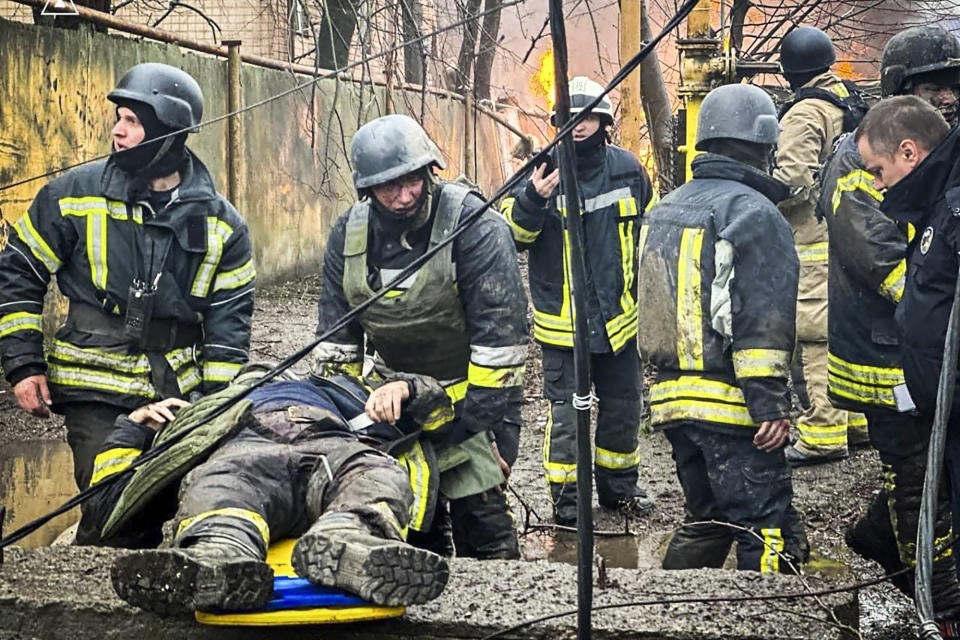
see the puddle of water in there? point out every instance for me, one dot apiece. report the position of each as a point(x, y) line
point(621, 552)
point(821, 564)
point(36, 476)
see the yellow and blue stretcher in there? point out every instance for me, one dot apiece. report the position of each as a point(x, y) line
point(297, 601)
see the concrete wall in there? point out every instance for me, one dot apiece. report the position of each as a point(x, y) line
point(296, 177)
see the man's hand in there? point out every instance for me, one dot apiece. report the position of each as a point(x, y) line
point(33, 396)
point(772, 434)
point(156, 414)
point(545, 184)
point(384, 403)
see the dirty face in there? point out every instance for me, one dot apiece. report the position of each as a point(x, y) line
point(402, 195)
point(889, 169)
point(942, 96)
point(128, 131)
point(586, 128)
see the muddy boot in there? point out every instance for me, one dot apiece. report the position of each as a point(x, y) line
point(211, 575)
point(872, 538)
point(337, 551)
point(635, 506)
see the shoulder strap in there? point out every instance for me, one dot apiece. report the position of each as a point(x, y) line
point(452, 196)
point(358, 218)
point(853, 105)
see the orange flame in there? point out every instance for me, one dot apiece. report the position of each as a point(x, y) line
point(542, 82)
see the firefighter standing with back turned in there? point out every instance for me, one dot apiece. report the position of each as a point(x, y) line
point(615, 191)
point(718, 282)
point(822, 108)
point(156, 265)
point(460, 318)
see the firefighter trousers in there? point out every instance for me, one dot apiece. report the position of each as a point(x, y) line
point(726, 479)
point(253, 490)
point(617, 384)
point(888, 531)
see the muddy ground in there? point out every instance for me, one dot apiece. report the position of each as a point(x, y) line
point(830, 496)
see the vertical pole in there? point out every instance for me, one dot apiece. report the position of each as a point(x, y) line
point(697, 50)
point(631, 109)
point(234, 103)
point(575, 269)
point(469, 135)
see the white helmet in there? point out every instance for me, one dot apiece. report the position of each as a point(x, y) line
point(583, 90)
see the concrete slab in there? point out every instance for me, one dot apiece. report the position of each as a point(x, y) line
point(64, 593)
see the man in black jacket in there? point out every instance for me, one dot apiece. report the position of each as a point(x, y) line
point(909, 149)
point(156, 264)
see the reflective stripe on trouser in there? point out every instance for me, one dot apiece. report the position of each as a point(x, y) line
point(823, 427)
point(727, 479)
point(254, 490)
point(616, 380)
point(902, 443)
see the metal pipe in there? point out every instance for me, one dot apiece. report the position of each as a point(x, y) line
point(234, 141)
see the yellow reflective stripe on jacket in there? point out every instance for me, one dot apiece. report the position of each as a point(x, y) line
point(235, 278)
point(20, 321)
point(841, 90)
point(869, 394)
point(865, 374)
point(557, 330)
point(556, 472)
point(815, 252)
point(858, 179)
point(215, 371)
point(519, 233)
point(85, 205)
point(418, 471)
point(615, 460)
point(624, 326)
point(654, 199)
point(772, 548)
point(761, 363)
point(218, 232)
point(112, 461)
point(856, 421)
point(456, 391)
point(495, 377)
point(229, 512)
point(97, 248)
point(68, 376)
point(38, 246)
point(689, 297)
point(696, 398)
point(437, 418)
point(892, 286)
point(100, 358)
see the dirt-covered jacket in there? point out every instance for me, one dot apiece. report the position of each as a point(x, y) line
point(461, 318)
point(717, 299)
point(866, 281)
point(929, 199)
point(616, 191)
point(83, 228)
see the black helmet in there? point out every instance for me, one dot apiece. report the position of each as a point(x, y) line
point(738, 112)
point(806, 50)
point(389, 147)
point(172, 93)
point(916, 51)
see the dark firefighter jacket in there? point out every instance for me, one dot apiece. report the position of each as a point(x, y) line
point(131, 511)
point(718, 285)
point(615, 192)
point(929, 199)
point(82, 229)
point(461, 318)
point(866, 279)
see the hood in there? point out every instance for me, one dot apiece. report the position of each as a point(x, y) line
point(712, 165)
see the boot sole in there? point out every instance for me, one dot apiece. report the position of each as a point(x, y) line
point(171, 583)
point(394, 574)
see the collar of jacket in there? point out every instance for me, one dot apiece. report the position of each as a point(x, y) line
point(825, 80)
point(195, 181)
point(912, 199)
point(712, 165)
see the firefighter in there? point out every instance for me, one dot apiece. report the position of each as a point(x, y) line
point(156, 265)
point(460, 318)
point(284, 462)
point(615, 191)
point(909, 149)
point(866, 281)
point(718, 282)
point(822, 108)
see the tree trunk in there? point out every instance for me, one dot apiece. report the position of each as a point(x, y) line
point(413, 55)
point(656, 107)
point(337, 25)
point(488, 48)
point(467, 47)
